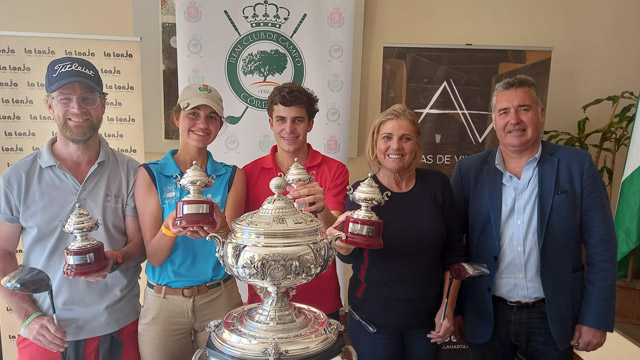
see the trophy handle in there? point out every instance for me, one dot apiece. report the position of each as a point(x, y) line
point(210, 180)
point(338, 236)
point(352, 350)
point(213, 325)
point(97, 225)
point(292, 291)
point(198, 353)
point(219, 247)
point(329, 253)
point(349, 191)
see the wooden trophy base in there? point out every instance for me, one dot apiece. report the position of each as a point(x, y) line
point(84, 261)
point(363, 233)
point(194, 213)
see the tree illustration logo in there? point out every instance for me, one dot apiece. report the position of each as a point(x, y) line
point(264, 63)
point(263, 57)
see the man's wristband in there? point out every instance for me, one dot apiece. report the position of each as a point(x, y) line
point(167, 231)
point(30, 319)
point(116, 265)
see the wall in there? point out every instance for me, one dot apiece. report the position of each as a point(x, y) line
point(113, 17)
point(594, 42)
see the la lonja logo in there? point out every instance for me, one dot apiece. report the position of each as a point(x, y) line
point(263, 57)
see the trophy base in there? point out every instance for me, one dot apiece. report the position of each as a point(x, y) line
point(363, 233)
point(84, 261)
point(334, 352)
point(194, 213)
point(301, 333)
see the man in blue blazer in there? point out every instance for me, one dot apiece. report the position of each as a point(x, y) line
point(528, 208)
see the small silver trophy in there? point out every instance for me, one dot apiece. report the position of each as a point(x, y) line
point(84, 255)
point(296, 175)
point(194, 209)
point(363, 227)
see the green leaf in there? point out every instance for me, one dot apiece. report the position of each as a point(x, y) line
point(582, 125)
point(623, 114)
point(552, 137)
point(609, 173)
point(594, 102)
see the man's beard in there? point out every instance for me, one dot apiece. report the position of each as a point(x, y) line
point(79, 136)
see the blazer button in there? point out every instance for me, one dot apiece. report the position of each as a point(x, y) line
point(489, 288)
point(495, 258)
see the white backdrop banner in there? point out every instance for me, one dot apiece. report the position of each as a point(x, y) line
point(26, 125)
point(246, 48)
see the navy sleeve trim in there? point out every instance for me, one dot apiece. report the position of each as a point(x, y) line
point(232, 176)
point(151, 174)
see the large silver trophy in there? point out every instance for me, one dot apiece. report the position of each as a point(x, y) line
point(275, 248)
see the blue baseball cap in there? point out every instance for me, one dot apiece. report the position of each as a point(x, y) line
point(66, 70)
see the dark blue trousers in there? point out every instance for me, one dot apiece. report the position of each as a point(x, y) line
point(386, 344)
point(520, 330)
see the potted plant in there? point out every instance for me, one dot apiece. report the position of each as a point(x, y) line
point(613, 135)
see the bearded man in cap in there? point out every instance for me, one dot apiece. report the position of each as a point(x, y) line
point(97, 314)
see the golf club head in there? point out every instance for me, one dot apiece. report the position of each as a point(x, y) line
point(27, 280)
point(464, 270)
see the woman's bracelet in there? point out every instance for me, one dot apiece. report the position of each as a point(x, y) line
point(167, 231)
point(224, 231)
point(30, 319)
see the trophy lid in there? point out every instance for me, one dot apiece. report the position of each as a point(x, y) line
point(297, 174)
point(368, 192)
point(80, 221)
point(277, 220)
point(195, 175)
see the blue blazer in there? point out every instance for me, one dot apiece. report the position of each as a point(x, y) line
point(573, 210)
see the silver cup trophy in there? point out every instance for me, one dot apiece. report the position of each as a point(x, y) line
point(194, 209)
point(275, 249)
point(84, 255)
point(296, 175)
point(362, 227)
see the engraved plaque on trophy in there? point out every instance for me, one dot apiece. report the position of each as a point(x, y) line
point(84, 255)
point(296, 175)
point(362, 227)
point(194, 209)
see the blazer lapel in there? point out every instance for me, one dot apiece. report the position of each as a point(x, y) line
point(493, 188)
point(547, 170)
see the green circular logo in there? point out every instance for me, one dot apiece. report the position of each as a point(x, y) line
point(260, 60)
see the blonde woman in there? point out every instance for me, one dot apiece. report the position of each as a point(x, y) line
point(396, 293)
